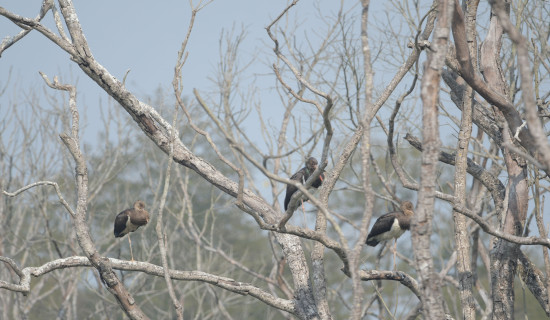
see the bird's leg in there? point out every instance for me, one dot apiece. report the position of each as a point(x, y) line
point(130, 242)
point(304, 213)
point(394, 249)
point(302, 201)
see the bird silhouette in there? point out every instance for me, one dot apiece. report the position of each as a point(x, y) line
point(301, 176)
point(130, 220)
point(391, 225)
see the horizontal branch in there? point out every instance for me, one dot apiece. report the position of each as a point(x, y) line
point(492, 183)
point(399, 276)
point(80, 261)
point(499, 234)
point(494, 186)
point(302, 233)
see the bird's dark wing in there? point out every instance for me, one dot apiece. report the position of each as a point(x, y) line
point(300, 176)
point(120, 224)
point(382, 224)
point(290, 189)
point(289, 192)
point(319, 181)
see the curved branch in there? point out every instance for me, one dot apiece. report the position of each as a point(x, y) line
point(539, 143)
point(9, 41)
point(465, 69)
point(402, 277)
point(482, 117)
point(40, 183)
point(36, 25)
point(229, 284)
point(530, 241)
point(82, 230)
point(158, 130)
point(491, 182)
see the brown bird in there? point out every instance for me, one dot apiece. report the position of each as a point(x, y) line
point(302, 175)
point(130, 220)
point(391, 225)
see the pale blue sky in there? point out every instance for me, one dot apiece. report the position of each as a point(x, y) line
point(145, 37)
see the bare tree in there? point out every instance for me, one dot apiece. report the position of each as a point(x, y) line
point(199, 169)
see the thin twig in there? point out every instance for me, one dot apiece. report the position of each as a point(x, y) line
point(47, 183)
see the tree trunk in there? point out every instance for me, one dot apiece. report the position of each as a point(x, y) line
point(430, 282)
point(504, 254)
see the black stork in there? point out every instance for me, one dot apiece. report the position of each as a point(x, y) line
point(130, 220)
point(302, 175)
point(391, 225)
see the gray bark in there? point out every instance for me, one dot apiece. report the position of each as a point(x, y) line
point(504, 254)
point(421, 230)
point(462, 236)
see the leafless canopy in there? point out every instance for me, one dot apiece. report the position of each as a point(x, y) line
point(218, 243)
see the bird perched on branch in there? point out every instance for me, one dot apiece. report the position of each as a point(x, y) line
point(391, 225)
point(130, 220)
point(301, 176)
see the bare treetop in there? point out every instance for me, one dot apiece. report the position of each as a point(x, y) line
point(346, 82)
